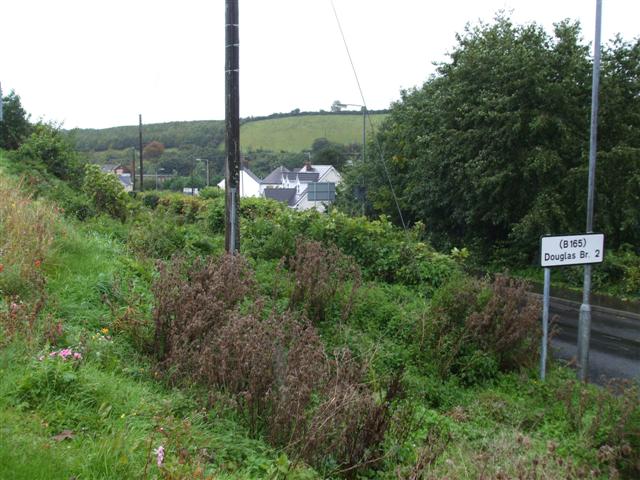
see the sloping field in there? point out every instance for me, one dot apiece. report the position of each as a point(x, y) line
point(297, 133)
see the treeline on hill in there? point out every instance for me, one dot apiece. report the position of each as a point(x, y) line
point(492, 151)
point(171, 148)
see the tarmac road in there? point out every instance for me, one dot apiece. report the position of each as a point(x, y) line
point(615, 339)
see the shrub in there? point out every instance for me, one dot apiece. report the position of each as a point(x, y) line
point(508, 326)
point(150, 200)
point(209, 193)
point(156, 236)
point(319, 273)
point(192, 304)
point(48, 147)
point(476, 328)
point(185, 207)
point(382, 251)
point(106, 192)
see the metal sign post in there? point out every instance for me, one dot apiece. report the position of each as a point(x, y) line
point(545, 323)
point(562, 251)
point(584, 323)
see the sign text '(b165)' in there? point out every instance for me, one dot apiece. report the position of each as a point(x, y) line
point(563, 250)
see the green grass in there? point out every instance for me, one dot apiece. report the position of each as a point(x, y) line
point(297, 133)
point(115, 405)
point(111, 402)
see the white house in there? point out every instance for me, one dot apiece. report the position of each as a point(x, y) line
point(312, 186)
point(249, 184)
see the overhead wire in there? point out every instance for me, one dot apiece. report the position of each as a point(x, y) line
point(371, 126)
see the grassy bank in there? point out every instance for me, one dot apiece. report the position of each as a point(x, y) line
point(393, 363)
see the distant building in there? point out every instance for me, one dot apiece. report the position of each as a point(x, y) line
point(122, 172)
point(118, 169)
point(312, 186)
point(195, 191)
point(125, 180)
point(249, 184)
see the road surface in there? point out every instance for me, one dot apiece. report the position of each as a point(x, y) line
point(615, 338)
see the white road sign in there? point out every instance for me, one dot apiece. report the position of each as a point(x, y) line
point(563, 250)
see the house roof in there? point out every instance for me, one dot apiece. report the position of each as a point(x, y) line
point(275, 177)
point(305, 177)
point(285, 195)
point(251, 174)
point(109, 167)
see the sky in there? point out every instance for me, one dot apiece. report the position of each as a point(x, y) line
point(100, 63)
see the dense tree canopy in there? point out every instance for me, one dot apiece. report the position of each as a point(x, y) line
point(15, 126)
point(492, 151)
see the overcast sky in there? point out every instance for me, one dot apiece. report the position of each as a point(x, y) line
point(97, 63)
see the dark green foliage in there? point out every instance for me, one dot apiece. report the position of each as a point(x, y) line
point(106, 192)
point(47, 147)
point(172, 134)
point(263, 162)
point(324, 152)
point(15, 126)
point(491, 152)
point(381, 250)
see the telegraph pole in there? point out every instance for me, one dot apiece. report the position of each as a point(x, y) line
point(133, 167)
point(140, 137)
point(232, 124)
point(584, 323)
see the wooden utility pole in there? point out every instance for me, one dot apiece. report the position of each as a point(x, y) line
point(133, 168)
point(232, 130)
point(140, 137)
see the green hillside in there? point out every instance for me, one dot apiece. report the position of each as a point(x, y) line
point(297, 133)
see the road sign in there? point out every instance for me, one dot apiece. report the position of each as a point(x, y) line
point(565, 250)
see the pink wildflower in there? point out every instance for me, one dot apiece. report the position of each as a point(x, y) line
point(77, 356)
point(53, 354)
point(64, 353)
point(159, 452)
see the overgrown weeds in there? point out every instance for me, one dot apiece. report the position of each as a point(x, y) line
point(315, 405)
point(476, 329)
point(319, 273)
point(27, 230)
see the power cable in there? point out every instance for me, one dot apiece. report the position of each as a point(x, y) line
point(364, 103)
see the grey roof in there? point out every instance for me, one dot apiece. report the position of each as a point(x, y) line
point(285, 195)
point(303, 176)
point(275, 177)
point(109, 167)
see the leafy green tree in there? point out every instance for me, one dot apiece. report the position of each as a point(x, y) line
point(492, 151)
point(47, 146)
point(15, 126)
point(106, 192)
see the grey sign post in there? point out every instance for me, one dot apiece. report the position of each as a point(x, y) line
point(561, 251)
